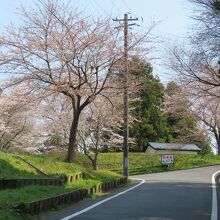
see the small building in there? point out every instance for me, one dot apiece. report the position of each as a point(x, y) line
point(172, 148)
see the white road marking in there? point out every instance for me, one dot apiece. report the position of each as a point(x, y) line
point(214, 197)
point(104, 200)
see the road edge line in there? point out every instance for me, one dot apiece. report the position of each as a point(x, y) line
point(104, 200)
point(214, 215)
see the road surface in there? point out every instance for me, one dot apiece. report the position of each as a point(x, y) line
point(176, 195)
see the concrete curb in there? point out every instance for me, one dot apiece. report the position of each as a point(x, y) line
point(71, 197)
point(73, 177)
point(18, 183)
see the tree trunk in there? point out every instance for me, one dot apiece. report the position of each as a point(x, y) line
point(218, 143)
point(77, 108)
point(217, 138)
point(218, 149)
point(94, 165)
point(71, 155)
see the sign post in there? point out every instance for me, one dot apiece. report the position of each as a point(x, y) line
point(167, 159)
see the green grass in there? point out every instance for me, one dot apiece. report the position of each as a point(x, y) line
point(145, 163)
point(13, 168)
point(11, 197)
point(52, 166)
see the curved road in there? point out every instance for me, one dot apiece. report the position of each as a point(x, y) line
point(176, 195)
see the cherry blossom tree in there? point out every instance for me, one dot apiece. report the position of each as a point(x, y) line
point(206, 108)
point(99, 126)
point(16, 120)
point(206, 14)
point(56, 115)
point(195, 67)
point(197, 62)
point(57, 50)
point(183, 117)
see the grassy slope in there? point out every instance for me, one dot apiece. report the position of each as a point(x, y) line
point(11, 168)
point(143, 163)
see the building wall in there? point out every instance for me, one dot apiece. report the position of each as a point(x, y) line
point(150, 150)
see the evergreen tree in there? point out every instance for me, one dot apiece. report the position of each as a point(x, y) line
point(151, 122)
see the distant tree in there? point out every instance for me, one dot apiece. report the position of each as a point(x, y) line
point(150, 122)
point(202, 140)
point(15, 123)
point(55, 112)
point(100, 126)
point(206, 109)
point(55, 140)
point(180, 119)
point(184, 124)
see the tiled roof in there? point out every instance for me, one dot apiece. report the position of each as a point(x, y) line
point(174, 146)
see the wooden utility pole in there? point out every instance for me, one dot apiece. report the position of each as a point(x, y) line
point(126, 106)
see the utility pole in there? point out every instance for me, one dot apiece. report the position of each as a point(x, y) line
point(126, 106)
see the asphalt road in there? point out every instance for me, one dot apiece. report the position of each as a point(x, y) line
point(177, 195)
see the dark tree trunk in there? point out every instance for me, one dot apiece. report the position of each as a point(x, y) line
point(71, 154)
point(93, 160)
point(218, 143)
point(94, 165)
point(77, 108)
point(218, 153)
point(217, 138)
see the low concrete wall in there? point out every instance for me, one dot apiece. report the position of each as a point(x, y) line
point(17, 183)
point(71, 197)
point(73, 177)
point(52, 202)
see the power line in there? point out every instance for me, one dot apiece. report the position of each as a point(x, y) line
point(118, 9)
point(108, 15)
point(125, 4)
point(128, 8)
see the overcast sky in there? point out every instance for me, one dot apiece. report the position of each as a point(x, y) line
point(172, 15)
